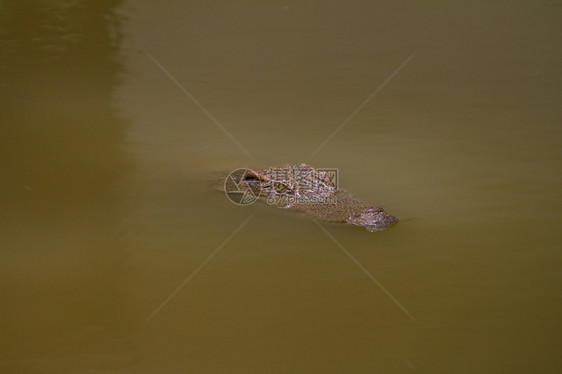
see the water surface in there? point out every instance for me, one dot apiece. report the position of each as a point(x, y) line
point(106, 205)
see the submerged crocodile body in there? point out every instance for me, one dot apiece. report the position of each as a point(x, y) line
point(311, 191)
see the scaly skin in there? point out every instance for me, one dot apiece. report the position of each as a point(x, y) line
point(305, 189)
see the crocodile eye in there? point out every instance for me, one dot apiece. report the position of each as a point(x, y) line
point(279, 188)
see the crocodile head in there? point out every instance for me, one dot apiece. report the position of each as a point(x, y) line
point(312, 192)
point(292, 184)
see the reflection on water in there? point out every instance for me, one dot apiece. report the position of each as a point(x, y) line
point(107, 207)
point(62, 156)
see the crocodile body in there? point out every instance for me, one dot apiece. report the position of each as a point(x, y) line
point(313, 192)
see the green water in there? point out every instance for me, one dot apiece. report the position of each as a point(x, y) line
point(117, 256)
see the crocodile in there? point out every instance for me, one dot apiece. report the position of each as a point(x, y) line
point(311, 191)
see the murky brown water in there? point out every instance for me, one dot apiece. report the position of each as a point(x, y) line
point(106, 207)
